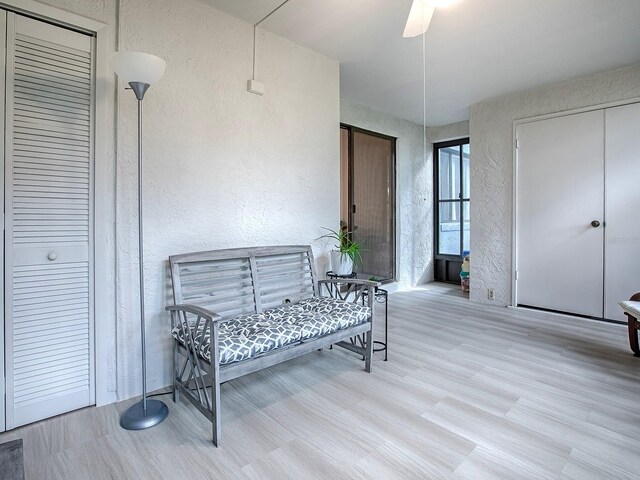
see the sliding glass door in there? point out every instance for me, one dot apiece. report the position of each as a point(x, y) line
point(452, 207)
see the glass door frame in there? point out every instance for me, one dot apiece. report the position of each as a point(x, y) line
point(447, 266)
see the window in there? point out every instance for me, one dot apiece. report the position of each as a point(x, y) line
point(452, 204)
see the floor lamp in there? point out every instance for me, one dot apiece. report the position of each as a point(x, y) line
point(140, 70)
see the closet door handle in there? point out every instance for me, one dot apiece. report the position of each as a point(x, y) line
point(595, 224)
point(52, 256)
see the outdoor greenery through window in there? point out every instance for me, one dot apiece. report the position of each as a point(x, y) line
point(453, 197)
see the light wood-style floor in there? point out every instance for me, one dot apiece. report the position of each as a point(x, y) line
point(469, 391)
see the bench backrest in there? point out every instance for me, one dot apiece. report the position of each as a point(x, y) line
point(238, 281)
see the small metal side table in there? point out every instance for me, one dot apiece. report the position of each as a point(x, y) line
point(333, 276)
point(381, 296)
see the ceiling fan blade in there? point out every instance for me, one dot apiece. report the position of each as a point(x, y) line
point(419, 18)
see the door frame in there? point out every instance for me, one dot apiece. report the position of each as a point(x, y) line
point(514, 208)
point(448, 261)
point(394, 231)
point(3, 85)
point(103, 189)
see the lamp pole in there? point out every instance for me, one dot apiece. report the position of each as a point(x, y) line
point(145, 413)
point(140, 89)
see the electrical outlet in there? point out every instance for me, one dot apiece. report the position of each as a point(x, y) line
point(490, 294)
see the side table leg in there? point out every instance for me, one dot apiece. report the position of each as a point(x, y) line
point(386, 324)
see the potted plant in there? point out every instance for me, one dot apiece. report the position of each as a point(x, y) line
point(347, 253)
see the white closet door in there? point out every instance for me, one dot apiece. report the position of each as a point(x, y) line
point(560, 178)
point(48, 204)
point(622, 187)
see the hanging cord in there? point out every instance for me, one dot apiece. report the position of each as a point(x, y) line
point(424, 95)
point(253, 71)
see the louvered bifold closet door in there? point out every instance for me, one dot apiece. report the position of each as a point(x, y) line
point(48, 208)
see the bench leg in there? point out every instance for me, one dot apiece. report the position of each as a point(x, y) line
point(176, 393)
point(176, 372)
point(368, 351)
point(216, 424)
point(633, 335)
point(216, 421)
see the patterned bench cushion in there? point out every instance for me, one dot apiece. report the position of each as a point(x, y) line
point(248, 336)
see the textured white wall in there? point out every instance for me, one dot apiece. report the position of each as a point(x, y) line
point(491, 129)
point(101, 10)
point(452, 131)
point(414, 190)
point(223, 167)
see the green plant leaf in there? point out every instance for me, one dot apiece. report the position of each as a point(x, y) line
point(344, 243)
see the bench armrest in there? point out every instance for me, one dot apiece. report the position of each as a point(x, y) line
point(195, 310)
point(204, 319)
point(354, 281)
point(205, 322)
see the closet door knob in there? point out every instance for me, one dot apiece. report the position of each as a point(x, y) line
point(595, 224)
point(52, 256)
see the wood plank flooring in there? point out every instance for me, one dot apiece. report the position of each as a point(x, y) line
point(469, 392)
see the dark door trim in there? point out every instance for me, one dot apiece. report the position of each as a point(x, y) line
point(392, 221)
point(446, 264)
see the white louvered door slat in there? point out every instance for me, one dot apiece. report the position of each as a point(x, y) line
point(49, 221)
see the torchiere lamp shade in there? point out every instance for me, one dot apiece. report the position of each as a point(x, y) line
point(138, 67)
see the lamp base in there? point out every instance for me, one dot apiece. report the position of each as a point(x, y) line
point(135, 418)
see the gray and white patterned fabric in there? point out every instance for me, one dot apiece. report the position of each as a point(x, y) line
point(248, 336)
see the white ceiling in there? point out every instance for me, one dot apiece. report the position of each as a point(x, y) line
point(475, 49)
